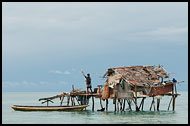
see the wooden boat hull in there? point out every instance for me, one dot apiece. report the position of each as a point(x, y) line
point(48, 108)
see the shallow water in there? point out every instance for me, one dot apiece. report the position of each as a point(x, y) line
point(9, 116)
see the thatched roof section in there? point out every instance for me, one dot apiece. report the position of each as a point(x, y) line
point(136, 75)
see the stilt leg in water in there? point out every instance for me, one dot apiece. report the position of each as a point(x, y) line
point(92, 103)
point(118, 105)
point(62, 101)
point(154, 104)
point(129, 104)
point(123, 105)
point(142, 105)
point(115, 104)
point(135, 102)
point(158, 104)
point(106, 104)
point(68, 99)
point(151, 104)
point(101, 103)
point(170, 103)
point(174, 103)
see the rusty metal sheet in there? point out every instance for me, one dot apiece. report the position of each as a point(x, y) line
point(105, 93)
point(156, 81)
point(133, 82)
point(161, 89)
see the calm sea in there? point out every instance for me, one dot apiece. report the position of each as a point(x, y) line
point(9, 116)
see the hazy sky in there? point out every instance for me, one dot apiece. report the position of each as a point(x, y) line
point(45, 45)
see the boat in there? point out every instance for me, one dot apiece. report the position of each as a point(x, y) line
point(48, 108)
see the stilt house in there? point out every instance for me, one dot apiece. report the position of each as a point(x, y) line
point(136, 81)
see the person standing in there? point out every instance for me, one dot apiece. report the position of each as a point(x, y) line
point(88, 81)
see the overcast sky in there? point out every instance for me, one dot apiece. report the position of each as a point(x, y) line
point(46, 45)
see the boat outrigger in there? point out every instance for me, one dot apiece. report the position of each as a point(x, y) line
point(48, 108)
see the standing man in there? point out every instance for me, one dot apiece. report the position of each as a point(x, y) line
point(88, 81)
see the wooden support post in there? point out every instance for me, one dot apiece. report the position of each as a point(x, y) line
point(120, 101)
point(118, 105)
point(154, 104)
point(142, 105)
point(173, 98)
point(68, 99)
point(170, 103)
point(136, 98)
point(74, 100)
point(86, 95)
point(175, 88)
point(158, 104)
point(115, 104)
point(62, 100)
point(72, 88)
point(92, 103)
point(129, 104)
point(101, 103)
point(174, 103)
point(77, 100)
point(71, 100)
point(115, 100)
point(47, 102)
point(137, 109)
point(106, 104)
point(123, 105)
point(151, 104)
